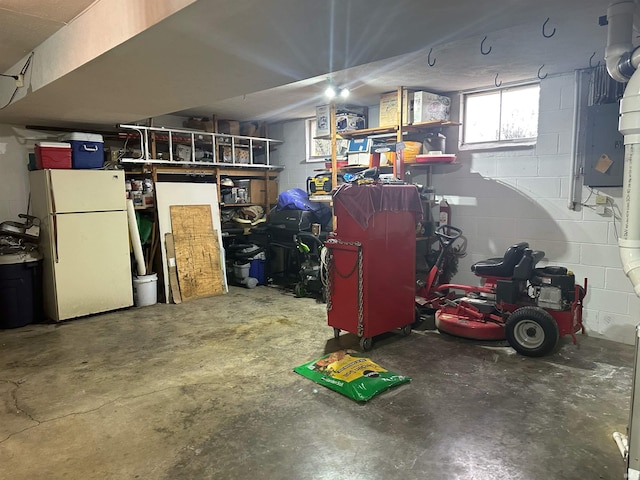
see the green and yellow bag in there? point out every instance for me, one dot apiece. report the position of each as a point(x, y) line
point(351, 375)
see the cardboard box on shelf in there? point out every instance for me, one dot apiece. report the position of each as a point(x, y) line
point(430, 107)
point(389, 108)
point(358, 151)
point(204, 124)
point(258, 191)
point(347, 118)
point(230, 127)
point(241, 154)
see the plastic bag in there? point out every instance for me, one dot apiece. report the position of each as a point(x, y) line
point(347, 373)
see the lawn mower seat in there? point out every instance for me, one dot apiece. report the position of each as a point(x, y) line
point(501, 267)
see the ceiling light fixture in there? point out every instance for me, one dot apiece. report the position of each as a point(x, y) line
point(332, 92)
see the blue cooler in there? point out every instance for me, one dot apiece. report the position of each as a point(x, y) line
point(87, 149)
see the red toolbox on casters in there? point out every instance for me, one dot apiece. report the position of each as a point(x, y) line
point(371, 268)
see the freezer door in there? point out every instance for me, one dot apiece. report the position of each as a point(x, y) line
point(92, 263)
point(87, 190)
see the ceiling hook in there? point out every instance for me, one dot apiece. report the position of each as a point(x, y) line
point(544, 26)
point(539, 70)
point(431, 63)
point(591, 65)
point(482, 51)
point(495, 81)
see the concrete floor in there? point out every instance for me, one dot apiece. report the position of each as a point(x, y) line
point(206, 390)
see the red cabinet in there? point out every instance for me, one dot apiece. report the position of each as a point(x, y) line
point(372, 260)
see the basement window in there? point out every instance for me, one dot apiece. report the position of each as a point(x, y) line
point(502, 117)
point(319, 150)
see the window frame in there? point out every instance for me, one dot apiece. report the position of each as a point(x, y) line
point(309, 139)
point(496, 144)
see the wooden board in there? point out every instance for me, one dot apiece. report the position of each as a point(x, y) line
point(197, 249)
point(178, 193)
point(173, 269)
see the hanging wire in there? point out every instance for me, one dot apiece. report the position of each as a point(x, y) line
point(482, 50)
point(22, 72)
point(591, 65)
point(544, 26)
point(431, 63)
point(495, 81)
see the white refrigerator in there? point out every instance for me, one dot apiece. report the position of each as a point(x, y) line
point(84, 239)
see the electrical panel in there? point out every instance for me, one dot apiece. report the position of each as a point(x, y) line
point(604, 148)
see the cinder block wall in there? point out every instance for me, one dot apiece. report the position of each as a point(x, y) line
point(502, 196)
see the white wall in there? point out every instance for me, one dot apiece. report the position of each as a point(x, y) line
point(292, 154)
point(15, 143)
point(503, 196)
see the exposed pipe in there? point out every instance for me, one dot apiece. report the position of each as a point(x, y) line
point(620, 16)
point(621, 442)
point(622, 62)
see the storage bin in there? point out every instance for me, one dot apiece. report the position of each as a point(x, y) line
point(256, 270)
point(52, 155)
point(87, 149)
point(20, 289)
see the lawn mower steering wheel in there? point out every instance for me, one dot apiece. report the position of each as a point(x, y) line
point(447, 234)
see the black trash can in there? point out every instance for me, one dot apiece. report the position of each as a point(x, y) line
point(20, 289)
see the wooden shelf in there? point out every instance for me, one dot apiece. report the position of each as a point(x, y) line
point(390, 130)
point(228, 205)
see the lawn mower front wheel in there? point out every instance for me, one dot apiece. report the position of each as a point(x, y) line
point(532, 331)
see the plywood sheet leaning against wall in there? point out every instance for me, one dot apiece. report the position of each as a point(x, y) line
point(197, 252)
point(184, 193)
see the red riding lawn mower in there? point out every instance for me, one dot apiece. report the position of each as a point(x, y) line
point(529, 307)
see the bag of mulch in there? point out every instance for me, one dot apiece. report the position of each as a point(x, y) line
point(351, 375)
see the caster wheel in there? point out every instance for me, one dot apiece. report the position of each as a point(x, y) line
point(299, 290)
point(336, 332)
point(406, 330)
point(366, 343)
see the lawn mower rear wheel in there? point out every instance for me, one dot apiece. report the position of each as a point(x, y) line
point(532, 331)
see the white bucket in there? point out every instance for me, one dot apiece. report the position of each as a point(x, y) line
point(145, 290)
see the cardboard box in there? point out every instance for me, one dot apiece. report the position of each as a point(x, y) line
point(389, 108)
point(430, 107)
point(358, 152)
point(230, 127)
point(348, 118)
point(363, 158)
point(203, 124)
point(241, 153)
point(258, 191)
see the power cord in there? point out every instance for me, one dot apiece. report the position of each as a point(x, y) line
point(24, 69)
point(616, 214)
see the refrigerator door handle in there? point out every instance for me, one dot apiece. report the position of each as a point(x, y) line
point(54, 225)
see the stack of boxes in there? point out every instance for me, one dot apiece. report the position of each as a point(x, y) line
point(348, 118)
point(418, 106)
